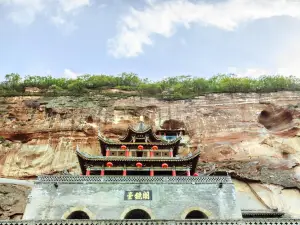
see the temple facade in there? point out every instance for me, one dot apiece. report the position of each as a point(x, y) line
point(141, 176)
point(139, 153)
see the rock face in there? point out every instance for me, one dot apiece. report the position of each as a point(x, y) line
point(254, 137)
point(12, 201)
point(257, 196)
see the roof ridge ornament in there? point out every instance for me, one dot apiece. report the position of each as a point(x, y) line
point(142, 119)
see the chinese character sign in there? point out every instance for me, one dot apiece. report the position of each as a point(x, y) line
point(138, 195)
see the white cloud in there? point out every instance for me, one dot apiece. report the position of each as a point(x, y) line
point(249, 72)
point(23, 11)
point(162, 17)
point(71, 5)
point(57, 20)
point(66, 25)
point(70, 74)
point(60, 12)
point(287, 59)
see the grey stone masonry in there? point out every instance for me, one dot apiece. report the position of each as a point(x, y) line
point(163, 198)
point(156, 222)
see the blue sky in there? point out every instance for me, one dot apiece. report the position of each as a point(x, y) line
point(153, 38)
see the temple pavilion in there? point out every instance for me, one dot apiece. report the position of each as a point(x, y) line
point(141, 151)
point(137, 178)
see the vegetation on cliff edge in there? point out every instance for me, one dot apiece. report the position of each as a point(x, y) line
point(179, 87)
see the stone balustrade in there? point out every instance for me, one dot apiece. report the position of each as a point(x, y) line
point(135, 179)
point(155, 222)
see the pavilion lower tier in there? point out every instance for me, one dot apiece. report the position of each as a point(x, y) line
point(134, 171)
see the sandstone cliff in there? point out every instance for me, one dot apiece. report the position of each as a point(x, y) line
point(254, 137)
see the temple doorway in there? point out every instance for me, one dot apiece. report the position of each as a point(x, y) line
point(137, 214)
point(78, 215)
point(196, 214)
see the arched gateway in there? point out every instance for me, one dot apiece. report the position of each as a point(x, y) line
point(137, 214)
point(196, 214)
point(78, 215)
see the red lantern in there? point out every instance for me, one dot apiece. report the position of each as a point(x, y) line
point(154, 147)
point(140, 147)
point(196, 175)
point(109, 164)
point(164, 165)
point(139, 165)
point(123, 147)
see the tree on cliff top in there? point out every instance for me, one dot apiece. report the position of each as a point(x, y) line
point(179, 87)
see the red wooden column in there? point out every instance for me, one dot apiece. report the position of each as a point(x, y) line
point(151, 153)
point(88, 172)
point(107, 152)
point(171, 153)
point(188, 172)
point(102, 172)
point(151, 172)
point(124, 171)
point(174, 172)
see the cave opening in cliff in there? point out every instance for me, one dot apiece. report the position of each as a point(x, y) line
point(24, 138)
point(172, 124)
point(137, 214)
point(275, 118)
point(196, 214)
point(89, 119)
point(78, 215)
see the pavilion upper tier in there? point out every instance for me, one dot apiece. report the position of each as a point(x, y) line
point(140, 136)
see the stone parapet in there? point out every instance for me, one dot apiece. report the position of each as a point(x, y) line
point(135, 179)
point(155, 222)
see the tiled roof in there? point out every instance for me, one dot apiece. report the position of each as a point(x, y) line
point(108, 142)
point(87, 156)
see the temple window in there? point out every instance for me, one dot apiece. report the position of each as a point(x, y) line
point(139, 154)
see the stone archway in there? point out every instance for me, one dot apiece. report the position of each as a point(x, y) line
point(196, 213)
point(137, 212)
point(78, 212)
point(79, 215)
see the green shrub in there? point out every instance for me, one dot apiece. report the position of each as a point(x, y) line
point(2, 139)
point(171, 88)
